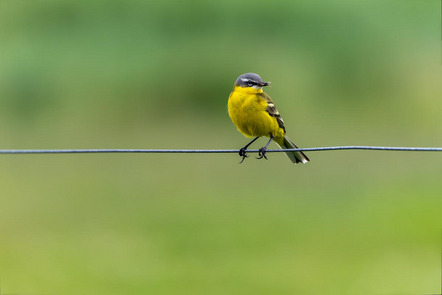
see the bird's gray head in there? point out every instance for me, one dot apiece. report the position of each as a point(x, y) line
point(250, 80)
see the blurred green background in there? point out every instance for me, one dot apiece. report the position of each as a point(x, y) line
point(157, 74)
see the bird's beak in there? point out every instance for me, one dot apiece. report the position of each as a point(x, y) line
point(264, 84)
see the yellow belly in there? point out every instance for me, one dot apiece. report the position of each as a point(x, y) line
point(248, 113)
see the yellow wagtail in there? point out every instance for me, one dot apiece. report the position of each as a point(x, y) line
point(254, 114)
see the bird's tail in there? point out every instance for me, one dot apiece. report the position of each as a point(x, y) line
point(295, 157)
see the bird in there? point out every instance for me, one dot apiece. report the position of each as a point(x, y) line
point(255, 115)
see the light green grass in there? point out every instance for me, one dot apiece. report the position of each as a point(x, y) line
point(201, 224)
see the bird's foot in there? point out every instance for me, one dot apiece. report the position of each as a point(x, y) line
point(243, 154)
point(262, 153)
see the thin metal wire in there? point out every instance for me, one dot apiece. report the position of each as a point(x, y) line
point(216, 151)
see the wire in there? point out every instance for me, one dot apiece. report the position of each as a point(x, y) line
point(216, 151)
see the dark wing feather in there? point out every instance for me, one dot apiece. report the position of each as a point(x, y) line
point(272, 110)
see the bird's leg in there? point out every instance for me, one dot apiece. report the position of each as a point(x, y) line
point(242, 151)
point(263, 150)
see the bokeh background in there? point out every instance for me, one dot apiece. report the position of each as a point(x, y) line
point(157, 74)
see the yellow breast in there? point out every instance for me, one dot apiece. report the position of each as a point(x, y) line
point(248, 112)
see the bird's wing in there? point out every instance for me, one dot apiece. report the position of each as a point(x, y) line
point(272, 110)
